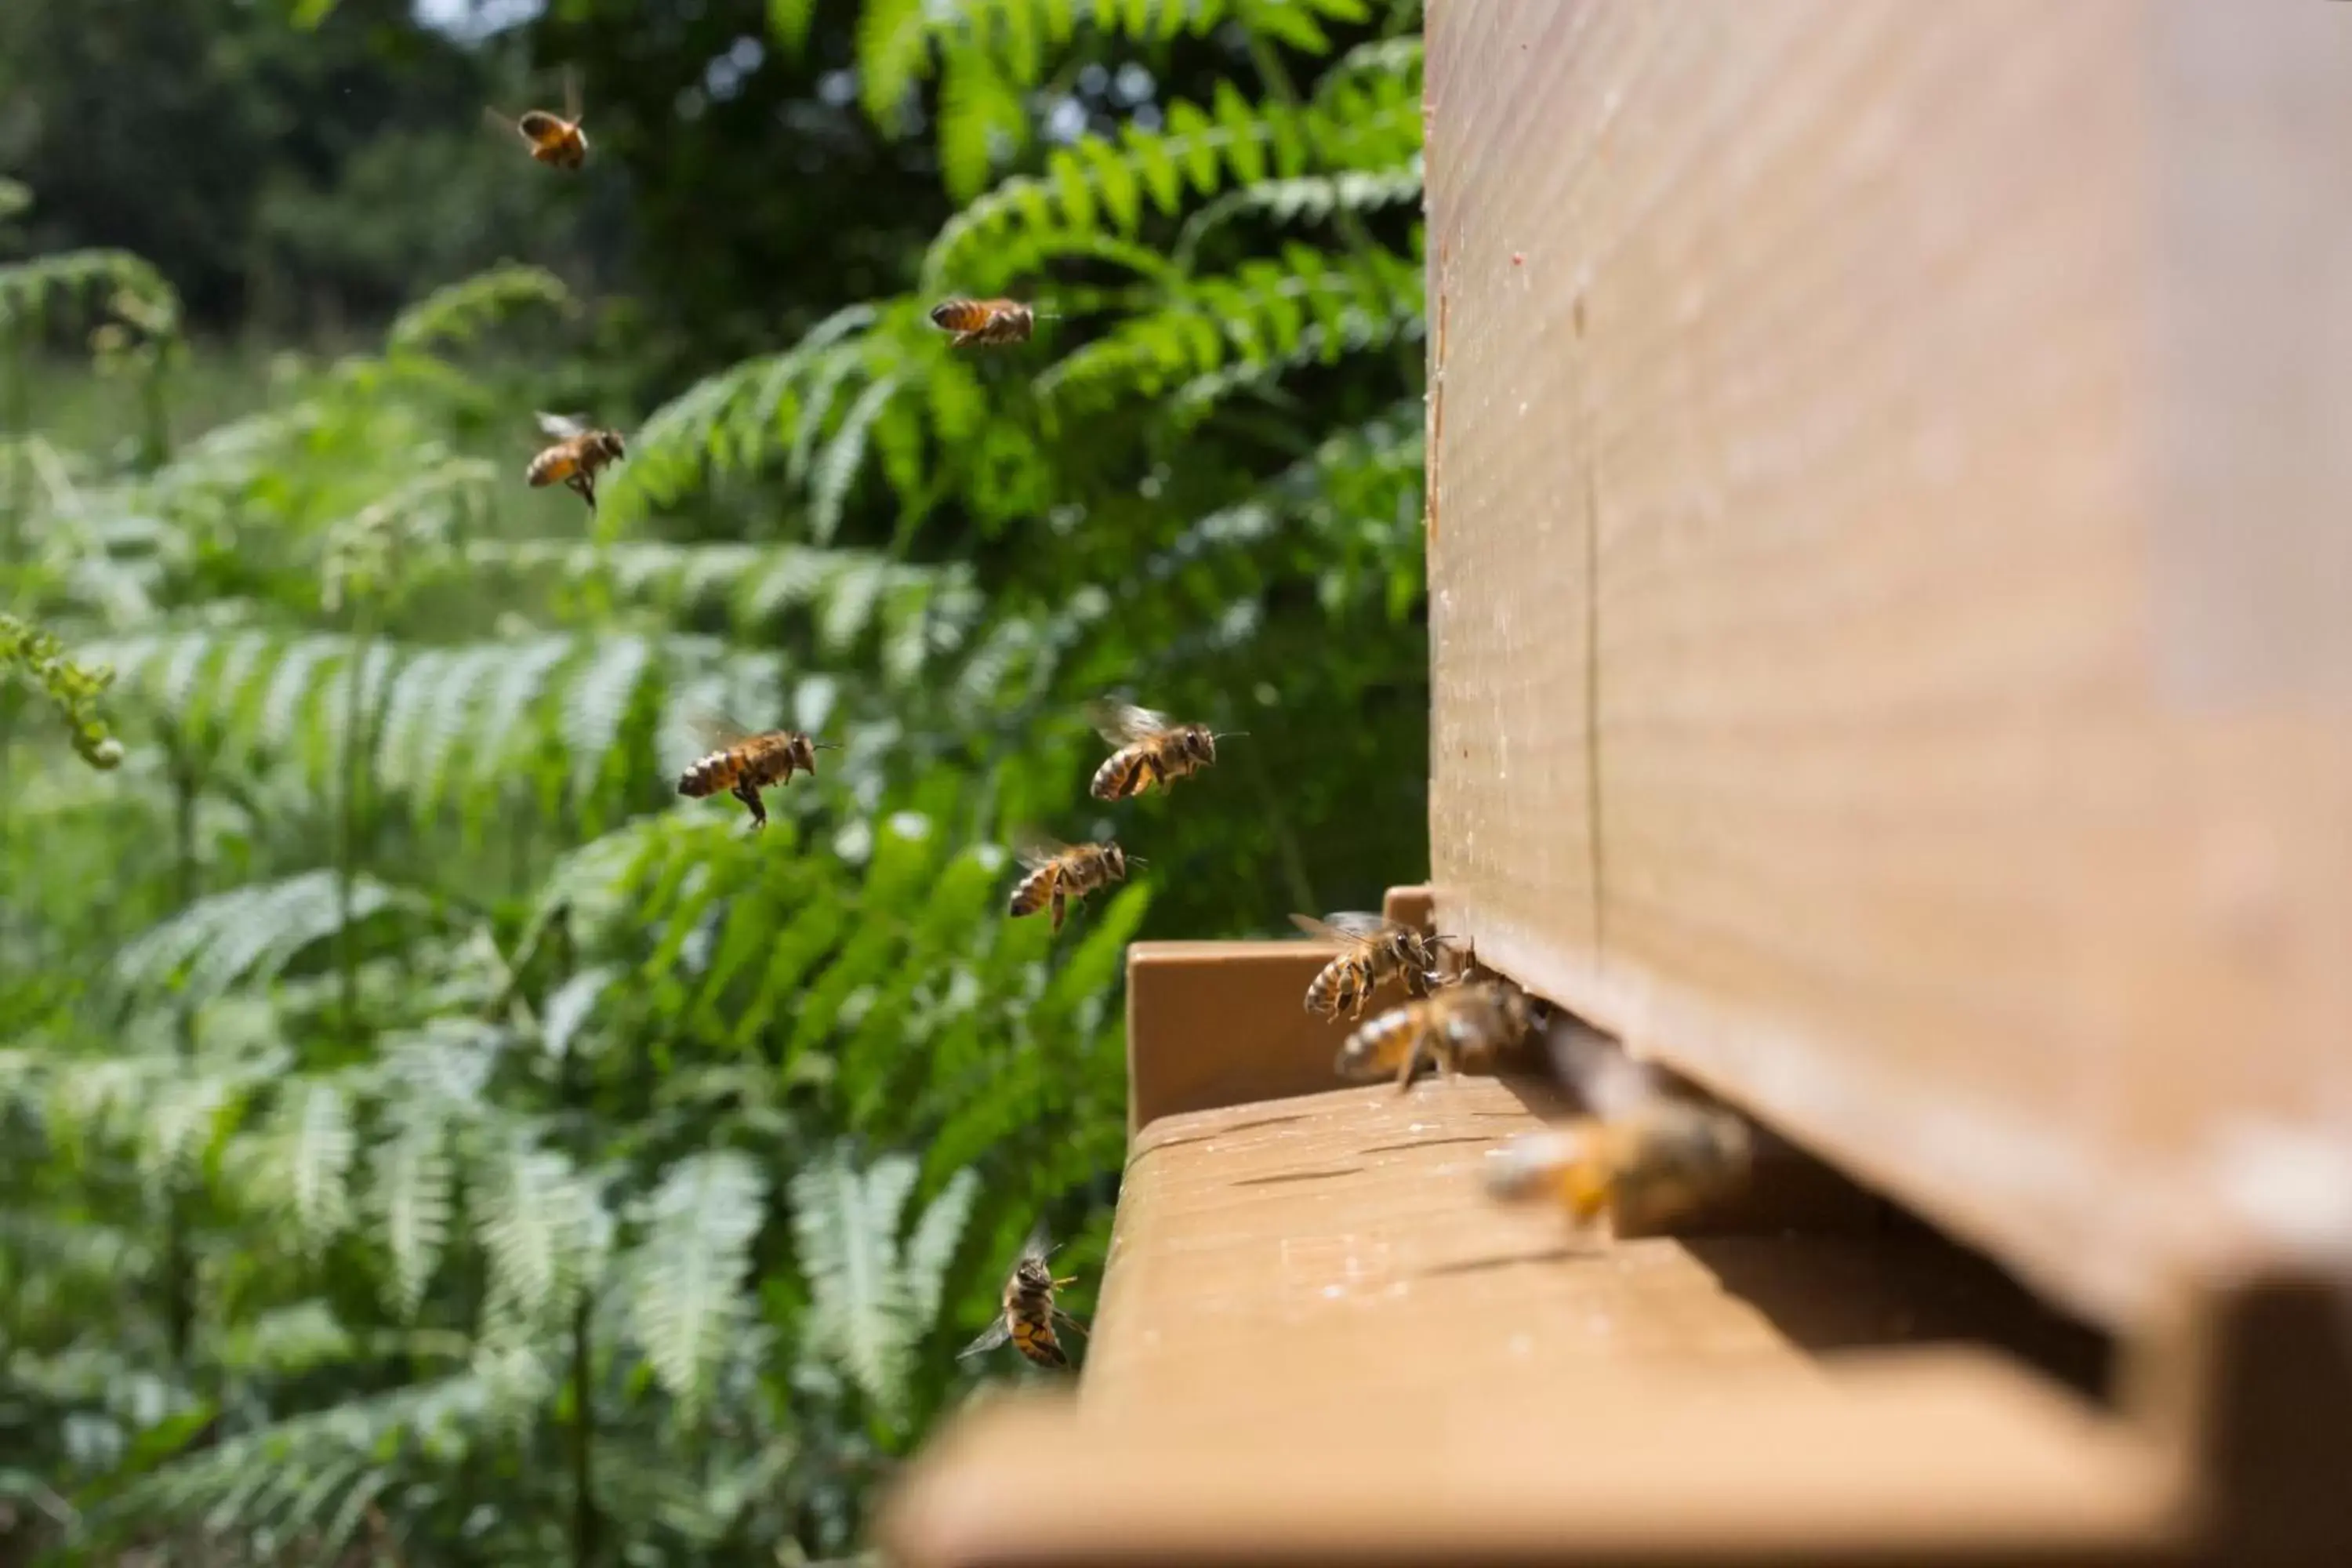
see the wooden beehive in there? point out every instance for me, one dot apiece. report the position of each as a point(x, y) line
point(1891, 614)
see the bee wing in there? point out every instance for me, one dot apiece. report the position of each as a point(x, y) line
point(715, 729)
point(562, 426)
point(572, 94)
point(1033, 848)
point(1122, 723)
point(501, 121)
point(1067, 1322)
point(995, 1334)
point(1350, 926)
point(1036, 1244)
point(1610, 1083)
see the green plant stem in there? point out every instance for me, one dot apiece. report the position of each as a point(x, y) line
point(353, 768)
point(178, 1293)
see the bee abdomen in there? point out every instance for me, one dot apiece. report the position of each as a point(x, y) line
point(1117, 777)
point(1030, 893)
point(708, 776)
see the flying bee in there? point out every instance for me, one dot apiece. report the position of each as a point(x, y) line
point(1030, 1316)
point(1153, 749)
point(579, 451)
point(1377, 950)
point(984, 323)
point(1059, 872)
point(743, 762)
point(552, 138)
point(1660, 1160)
point(1470, 1022)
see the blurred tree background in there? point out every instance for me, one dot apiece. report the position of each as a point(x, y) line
point(424, 1137)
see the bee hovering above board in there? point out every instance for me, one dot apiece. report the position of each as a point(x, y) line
point(984, 323)
point(553, 139)
point(743, 762)
point(1378, 949)
point(1059, 874)
point(1474, 1021)
point(580, 452)
point(1641, 1153)
point(1153, 749)
point(1029, 1317)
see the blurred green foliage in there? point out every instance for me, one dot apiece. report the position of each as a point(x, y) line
point(420, 1129)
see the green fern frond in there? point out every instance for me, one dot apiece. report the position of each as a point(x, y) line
point(686, 1275)
point(1361, 120)
point(1310, 198)
point(81, 285)
point(1265, 317)
point(544, 1227)
point(247, 935)
point(299, 1163)
point(863, 1310)
point(463, 313)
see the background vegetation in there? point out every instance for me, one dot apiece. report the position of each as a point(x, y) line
point(423, 1137)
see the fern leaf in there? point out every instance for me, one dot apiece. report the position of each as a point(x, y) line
point(467, 311)
point(686, 1275)
point(846, 1222)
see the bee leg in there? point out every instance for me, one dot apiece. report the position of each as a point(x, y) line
point(749, 793)
point(1057, 908)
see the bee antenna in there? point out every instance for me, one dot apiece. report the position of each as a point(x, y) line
point(1231, 734)
point(824, 745)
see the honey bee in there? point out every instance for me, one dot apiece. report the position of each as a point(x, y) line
point(1030, 1316)
point(552, 139)
point(1472, 1021)
point(1059, 872)
point(1377, 949)
point(1153, 749)
point(1659, 1160)
point(984, 322)
point(743, 762)
point(574, 460)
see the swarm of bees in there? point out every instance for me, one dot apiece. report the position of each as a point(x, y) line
point(1029, 1316)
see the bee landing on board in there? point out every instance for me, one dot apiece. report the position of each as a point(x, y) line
point(743, 763)
point(1474, 1021)
point(1659, 1162)
point(1153, 749)
point(1377, 951)
point(552, 138)
point(984, 323)
point(579, 452)
point(1030, 1316)
point(1059, 872)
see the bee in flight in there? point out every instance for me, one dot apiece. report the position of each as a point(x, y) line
point(552, 139)
point(1637, 1153)
point(1059, 872)
point(1377, 949)
point(1030, 1316)
point(1153, 749)
point(1470, 1021)
point(984, 322)
point(573, 461)
point(743, 763)
point(1658, 1162)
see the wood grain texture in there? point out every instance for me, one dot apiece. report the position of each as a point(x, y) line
point(1889, 586)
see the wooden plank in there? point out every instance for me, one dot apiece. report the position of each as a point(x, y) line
point(1887, 584)
point(1314, 1319)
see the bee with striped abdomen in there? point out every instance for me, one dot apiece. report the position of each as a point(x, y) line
point(1660, 1160)
point(552, 139)
point(1059, 872)
point(1472, 1021)
point(579, 452)
point(1030, 1316)
point(1377, 950)
point(1153, 749)
point(984, 322)
point(743, 762)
